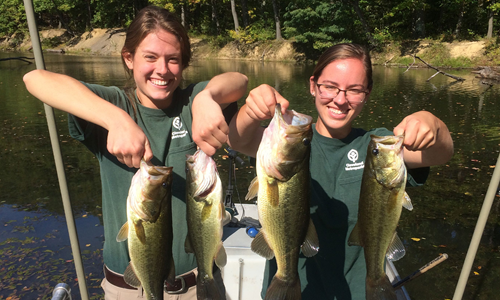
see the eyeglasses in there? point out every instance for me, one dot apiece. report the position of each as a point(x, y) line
point(353, 96)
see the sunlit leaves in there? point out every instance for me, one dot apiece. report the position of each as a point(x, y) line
point(11, 17)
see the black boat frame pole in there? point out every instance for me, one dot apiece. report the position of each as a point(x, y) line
point(478, 232)
point(63, 186)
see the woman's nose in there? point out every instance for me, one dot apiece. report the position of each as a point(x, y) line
point(162, 67)
point(341, 98)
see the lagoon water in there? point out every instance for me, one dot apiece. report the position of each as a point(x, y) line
point(34, 246)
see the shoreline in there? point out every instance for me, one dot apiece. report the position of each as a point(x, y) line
point(108, 42)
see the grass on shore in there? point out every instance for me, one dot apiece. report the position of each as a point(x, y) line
point(436, 53)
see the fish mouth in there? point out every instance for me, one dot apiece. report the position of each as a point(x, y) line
point(149, 169)
point(204, 173)
point(390, 142)
point(285, 143)
point(292, 118)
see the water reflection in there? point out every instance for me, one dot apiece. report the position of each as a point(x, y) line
point(446, 207)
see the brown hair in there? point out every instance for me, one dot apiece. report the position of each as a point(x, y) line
point(150, 19)
point(344, 51)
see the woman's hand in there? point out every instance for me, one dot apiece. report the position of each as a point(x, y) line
point(261, 102)
point(128, 143)
point(209, 126)
point(245, 129)
point(427, 138)
point(421, 130)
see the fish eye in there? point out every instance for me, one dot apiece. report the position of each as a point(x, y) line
point(306, 142)
point(164, 184)
point(375, 151)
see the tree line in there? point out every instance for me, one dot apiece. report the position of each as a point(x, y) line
point(313, 24)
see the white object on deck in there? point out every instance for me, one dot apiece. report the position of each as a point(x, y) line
point(243, 273)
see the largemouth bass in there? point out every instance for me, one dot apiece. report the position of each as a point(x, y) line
point(149, 230)
point(381, 200)
point(205, 215)
point(282, 188)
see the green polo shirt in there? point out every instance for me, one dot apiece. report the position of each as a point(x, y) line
point(169, 134)
point(337, 271)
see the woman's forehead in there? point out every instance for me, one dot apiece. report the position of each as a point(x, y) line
point(350, 69)
point(160, 38)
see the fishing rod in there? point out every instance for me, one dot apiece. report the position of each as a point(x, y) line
point(421, 271)
point(56, 149)
point(252, 225)
point(228, 201)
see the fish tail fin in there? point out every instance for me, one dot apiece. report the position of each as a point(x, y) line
point(281, 290)
point(380, 289)
point(207, 289)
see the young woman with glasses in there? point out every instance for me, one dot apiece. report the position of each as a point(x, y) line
point(340, 84)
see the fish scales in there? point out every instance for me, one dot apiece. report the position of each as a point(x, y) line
point(149, 230)
point(205, 214)
point(282, 188)
point(382, 197)
point(285, 224)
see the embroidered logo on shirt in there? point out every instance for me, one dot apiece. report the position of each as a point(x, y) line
point(353, 156)
point(178, 133)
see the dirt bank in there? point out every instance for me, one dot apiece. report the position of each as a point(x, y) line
point(110, 41)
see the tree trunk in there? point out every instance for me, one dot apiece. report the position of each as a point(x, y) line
point(183, 16)
point(490, 26)
point(460, 19)
point(140, 4)
point(244, 12)
point(277, 20)
point(368, 31)
point(89, 21)
point(235, 16)
point(420, 23)
point(215, 17)
point(263, 11)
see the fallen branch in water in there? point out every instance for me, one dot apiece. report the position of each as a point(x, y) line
point(409, 67)
point(385, 64)
point(23, 58)
point(438, 71)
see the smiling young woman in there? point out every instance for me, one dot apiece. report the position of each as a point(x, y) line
point(155, 120)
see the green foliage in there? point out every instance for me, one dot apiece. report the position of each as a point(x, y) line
point(403, 60)
point(255, 32)
point(51, 42)
point(168, 5)
point(492, 50)
point(458, 62)
point(112, 14)
point(219, 41)
point(12, 18)
point(435, 52)
point(382, 36)
point(315, 25)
